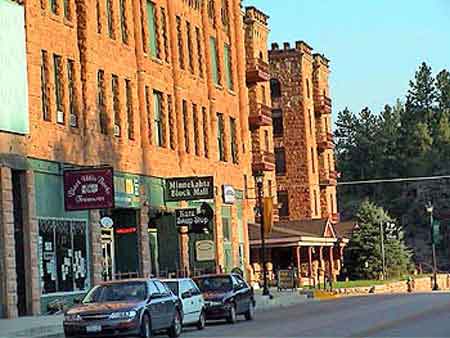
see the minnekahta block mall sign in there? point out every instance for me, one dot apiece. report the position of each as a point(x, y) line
point(189, 188)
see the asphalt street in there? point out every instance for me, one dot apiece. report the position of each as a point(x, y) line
point(418, 315)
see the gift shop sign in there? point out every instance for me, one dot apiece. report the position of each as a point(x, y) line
point(89, 189)
point(189, 188)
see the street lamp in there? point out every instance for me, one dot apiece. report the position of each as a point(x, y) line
point(383, 255)
point(429, 208)
point(259, 178)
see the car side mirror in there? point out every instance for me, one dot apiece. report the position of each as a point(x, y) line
point(77, 300)
point(186, 295)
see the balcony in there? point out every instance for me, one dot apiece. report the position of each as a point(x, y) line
point(261, 116)
point(264, 161)
point(322, 105)
point(325, 141)
point(257, 71)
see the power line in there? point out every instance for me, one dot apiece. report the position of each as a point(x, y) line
point(396, 180)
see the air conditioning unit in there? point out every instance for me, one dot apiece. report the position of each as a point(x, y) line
point(73, 120)
point(116, 130)
point(60, 116)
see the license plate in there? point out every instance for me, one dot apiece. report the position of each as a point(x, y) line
point(93, 328)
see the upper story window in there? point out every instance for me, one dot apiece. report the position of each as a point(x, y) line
point(198, 37)
point(283, 200)
point(308, 89)
point(275, 88)
point(280, 161)
point(277, 122)
point(221, 136)
point(110, 18)
point(180, 44)
point(53, 6)
point(101, 109)
point(130, 110)
point(214, 60)
point(123, 21)
point(57, 63)
point(45, 86)
point(152, 32)
point(233, 136)
point(212, 11)
point(224, 13)
point(157, 118)
point(228, 66)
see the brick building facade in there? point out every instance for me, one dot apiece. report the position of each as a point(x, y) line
point(156, 89)
point(303, 139)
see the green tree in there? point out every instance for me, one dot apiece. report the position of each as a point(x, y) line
point(363, 255)
point(443, 90)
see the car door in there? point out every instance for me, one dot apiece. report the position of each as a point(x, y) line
point(239, 295)
point(186, 298)
point(155, 306)
point(246, 293)
point(168, 303)
point(197, 301)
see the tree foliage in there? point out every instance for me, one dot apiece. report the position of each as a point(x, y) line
point(363, 258)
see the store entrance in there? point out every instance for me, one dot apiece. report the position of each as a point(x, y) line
point(108, 254)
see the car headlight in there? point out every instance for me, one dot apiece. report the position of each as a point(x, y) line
point(72, 318)
point(214, 303)
point(123, 315)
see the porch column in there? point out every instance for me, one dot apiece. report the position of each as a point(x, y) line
point(95, 248)
point(310, 267)
point(299, 264)
point(8, 276)
point(143, 243)
point(332, 274)
point(321, 261)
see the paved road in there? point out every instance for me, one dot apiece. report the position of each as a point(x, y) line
point(419, 315)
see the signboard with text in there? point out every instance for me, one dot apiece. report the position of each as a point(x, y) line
point(189, 188)
point(89, 189)
point(205, 250)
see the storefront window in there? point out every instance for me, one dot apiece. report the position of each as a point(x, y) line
point(63, 255)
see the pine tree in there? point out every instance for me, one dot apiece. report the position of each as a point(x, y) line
point(443, 90)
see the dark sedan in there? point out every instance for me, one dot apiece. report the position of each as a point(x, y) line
point(136, 307)
point(226, 297)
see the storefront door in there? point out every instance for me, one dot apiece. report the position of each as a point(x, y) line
point(108, 254)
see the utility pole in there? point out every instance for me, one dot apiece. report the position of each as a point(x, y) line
point(383, 255)
point(429, 208)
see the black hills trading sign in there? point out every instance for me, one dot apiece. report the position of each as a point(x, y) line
point(189, 188)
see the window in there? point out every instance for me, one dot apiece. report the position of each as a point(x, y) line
point(220, 137)
point(171, 122)
point(275, 88)
point(63, 259)
point(226, 229)
point(228, 66)
point(130, 111)
point(57, 63)
point(269, 187)
point(151, 26)
point(266, 141)
point(67, 10)
point(149, 114)
point(72, 95)
point(313, 162)
point(53, 6)
point(189, 46)
point(196, 130)
point(157, 118)
point(205, 132)
point(308, 92)
point(310, 118)
point(101, 101)
point(187, 141)
point(316, 204)
point(245, 186)
point(45, 87)
point(109, 16)
point(180, 44)
point(263, 94)
point(212, 12)
point(164, 33)
point(277, 122)
point(116, 104)
point(199, 51)
point(283, 201)
point(280, 161)
point(214, 61)
point(224, 14)
point(233, 136)
point(331, 203)
point(123, 21)
point(99, 21)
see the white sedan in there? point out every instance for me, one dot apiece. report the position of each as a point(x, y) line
point(193, 304)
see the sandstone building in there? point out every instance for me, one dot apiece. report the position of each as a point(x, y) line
point(157, 89)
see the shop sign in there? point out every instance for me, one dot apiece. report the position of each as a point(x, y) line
point(191, 217)
point(189, 188)
point(286, 279)
point(89, 189)
point(127, 190)
point(106, 222)
point(229, 194)
point(205, 250)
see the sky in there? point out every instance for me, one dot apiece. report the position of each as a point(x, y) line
point(374, 46)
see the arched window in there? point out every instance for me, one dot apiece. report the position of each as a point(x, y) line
point(275, 88)
point(260, 55)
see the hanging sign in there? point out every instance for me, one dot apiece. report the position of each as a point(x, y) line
point(89, 189)
point(189, 188)
point(229, 194)
point(205, 251)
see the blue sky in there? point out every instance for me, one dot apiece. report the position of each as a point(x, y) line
point(374, 46)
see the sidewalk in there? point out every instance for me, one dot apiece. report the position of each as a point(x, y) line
point(51, 326)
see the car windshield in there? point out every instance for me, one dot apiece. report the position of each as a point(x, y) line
point(120, 292)
point(217, 283)
point(173, 286)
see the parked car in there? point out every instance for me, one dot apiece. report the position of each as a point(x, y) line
point(193, 304)
point(226, 297)
point(136, 307)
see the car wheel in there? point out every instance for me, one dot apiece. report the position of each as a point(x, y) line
point(201, 321)
point(232, 317)
point(175, 329)
point(146, 327)
point(250, 314)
